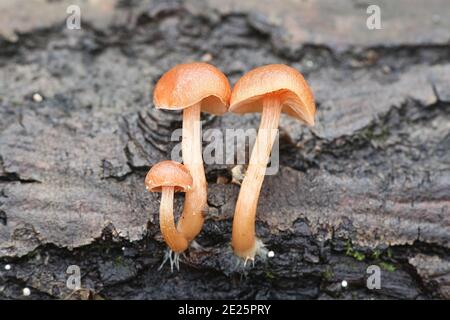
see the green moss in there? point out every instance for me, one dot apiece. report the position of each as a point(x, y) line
point(389, 253)
point(358, 255)
point(376, 254)
point(387, 266)
point(118, 261)
point(328, 274)
point(270, 275)
point(380, 134)
point(351, 252)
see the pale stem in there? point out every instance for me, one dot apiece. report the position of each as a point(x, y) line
point(191, 221)
point(243, 235)
point(174, 239)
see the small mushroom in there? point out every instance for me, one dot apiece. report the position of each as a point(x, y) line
point(169, 177)
point(270, 89)
point(193, 87)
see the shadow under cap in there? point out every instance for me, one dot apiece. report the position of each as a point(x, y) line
point(187, 84)
point(168, 173)
point(275, 79)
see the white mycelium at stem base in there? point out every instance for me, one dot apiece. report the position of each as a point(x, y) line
point(244, 240)
point(193, 87)
point(169, 177)
point(191, 221)
point(174, 239)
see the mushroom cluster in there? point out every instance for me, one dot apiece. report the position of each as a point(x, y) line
point(193, 87)
point(196, 87)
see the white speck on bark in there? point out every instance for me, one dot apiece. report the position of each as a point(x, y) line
point(26, 292)
point(37, 97)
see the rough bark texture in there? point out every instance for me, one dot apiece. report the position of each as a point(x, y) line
point(370, 184)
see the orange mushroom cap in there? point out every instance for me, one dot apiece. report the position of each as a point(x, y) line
point(286, 82)
point(187, 84)
point(168, 173)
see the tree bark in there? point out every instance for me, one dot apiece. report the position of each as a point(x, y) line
point(369, 185)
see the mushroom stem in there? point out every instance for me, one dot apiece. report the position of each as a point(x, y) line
point(174, 239)
point(191, 221)
point(243, 235)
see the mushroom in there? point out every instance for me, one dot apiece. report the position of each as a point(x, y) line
point(270, 89)
point(193, 87)
point(169, 177)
